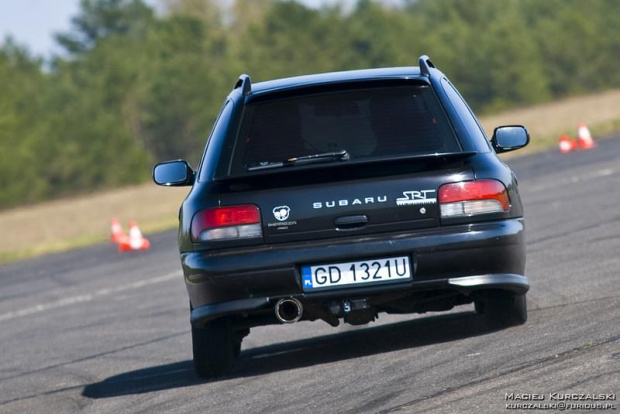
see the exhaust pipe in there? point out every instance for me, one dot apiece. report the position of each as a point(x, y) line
point(288, 310)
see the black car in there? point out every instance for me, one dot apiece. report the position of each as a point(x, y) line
point(338, 196)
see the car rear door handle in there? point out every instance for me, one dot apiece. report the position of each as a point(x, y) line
point(351, 222)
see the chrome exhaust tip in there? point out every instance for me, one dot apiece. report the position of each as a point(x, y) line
point(288, 310)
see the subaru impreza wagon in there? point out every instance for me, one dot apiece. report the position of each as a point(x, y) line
point(339, 196)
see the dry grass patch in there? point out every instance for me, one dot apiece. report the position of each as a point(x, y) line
point(547, 122)
point(64, 224)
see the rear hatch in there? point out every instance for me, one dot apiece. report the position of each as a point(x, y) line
point(350, 160)
point(333, 203)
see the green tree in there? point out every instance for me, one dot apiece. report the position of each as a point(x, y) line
point(135, 86)
point(100, 19)
point(22, 120)
point(181, 88)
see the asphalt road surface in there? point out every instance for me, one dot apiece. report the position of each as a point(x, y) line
point(95, 331)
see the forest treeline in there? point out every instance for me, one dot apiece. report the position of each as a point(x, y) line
point(135, 86)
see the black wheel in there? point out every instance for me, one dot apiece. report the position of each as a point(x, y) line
point(214, 349)
point(502, 308)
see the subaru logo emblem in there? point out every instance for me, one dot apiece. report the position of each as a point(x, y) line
point(281, 212)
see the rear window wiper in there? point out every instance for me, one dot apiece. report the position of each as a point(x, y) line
point(342, 155)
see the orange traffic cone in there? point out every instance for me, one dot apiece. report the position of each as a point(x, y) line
point(136, 240)
point(117, 233)
point(566, 144)
point(584, 137)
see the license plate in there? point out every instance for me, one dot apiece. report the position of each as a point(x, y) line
point(386, 270)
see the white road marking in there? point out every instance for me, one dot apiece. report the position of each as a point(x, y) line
point(89, 296)
point(288, 351)
point(594, 174)
point(604, 172)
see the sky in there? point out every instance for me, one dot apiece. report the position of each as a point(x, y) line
point(33, 22)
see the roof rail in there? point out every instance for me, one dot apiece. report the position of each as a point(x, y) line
point(245, 83)
point(425, 65)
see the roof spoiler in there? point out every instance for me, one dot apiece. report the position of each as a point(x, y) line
point(425, 65)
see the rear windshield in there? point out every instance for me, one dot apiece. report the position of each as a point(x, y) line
point(369, 123)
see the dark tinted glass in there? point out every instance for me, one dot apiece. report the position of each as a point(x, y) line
point(210, 157)
point(377, 122)
point(474, 129)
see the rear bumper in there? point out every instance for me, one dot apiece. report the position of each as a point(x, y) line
point(463, 258)
point(510, 282)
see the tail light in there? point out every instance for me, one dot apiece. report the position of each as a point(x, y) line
point(470, 198)
point(227, 223)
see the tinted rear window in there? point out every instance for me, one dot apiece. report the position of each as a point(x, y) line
point(368, 123)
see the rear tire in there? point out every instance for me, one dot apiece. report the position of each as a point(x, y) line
point(502, 308)
point(214, 349)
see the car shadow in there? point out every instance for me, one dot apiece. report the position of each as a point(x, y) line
point(302, 353)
